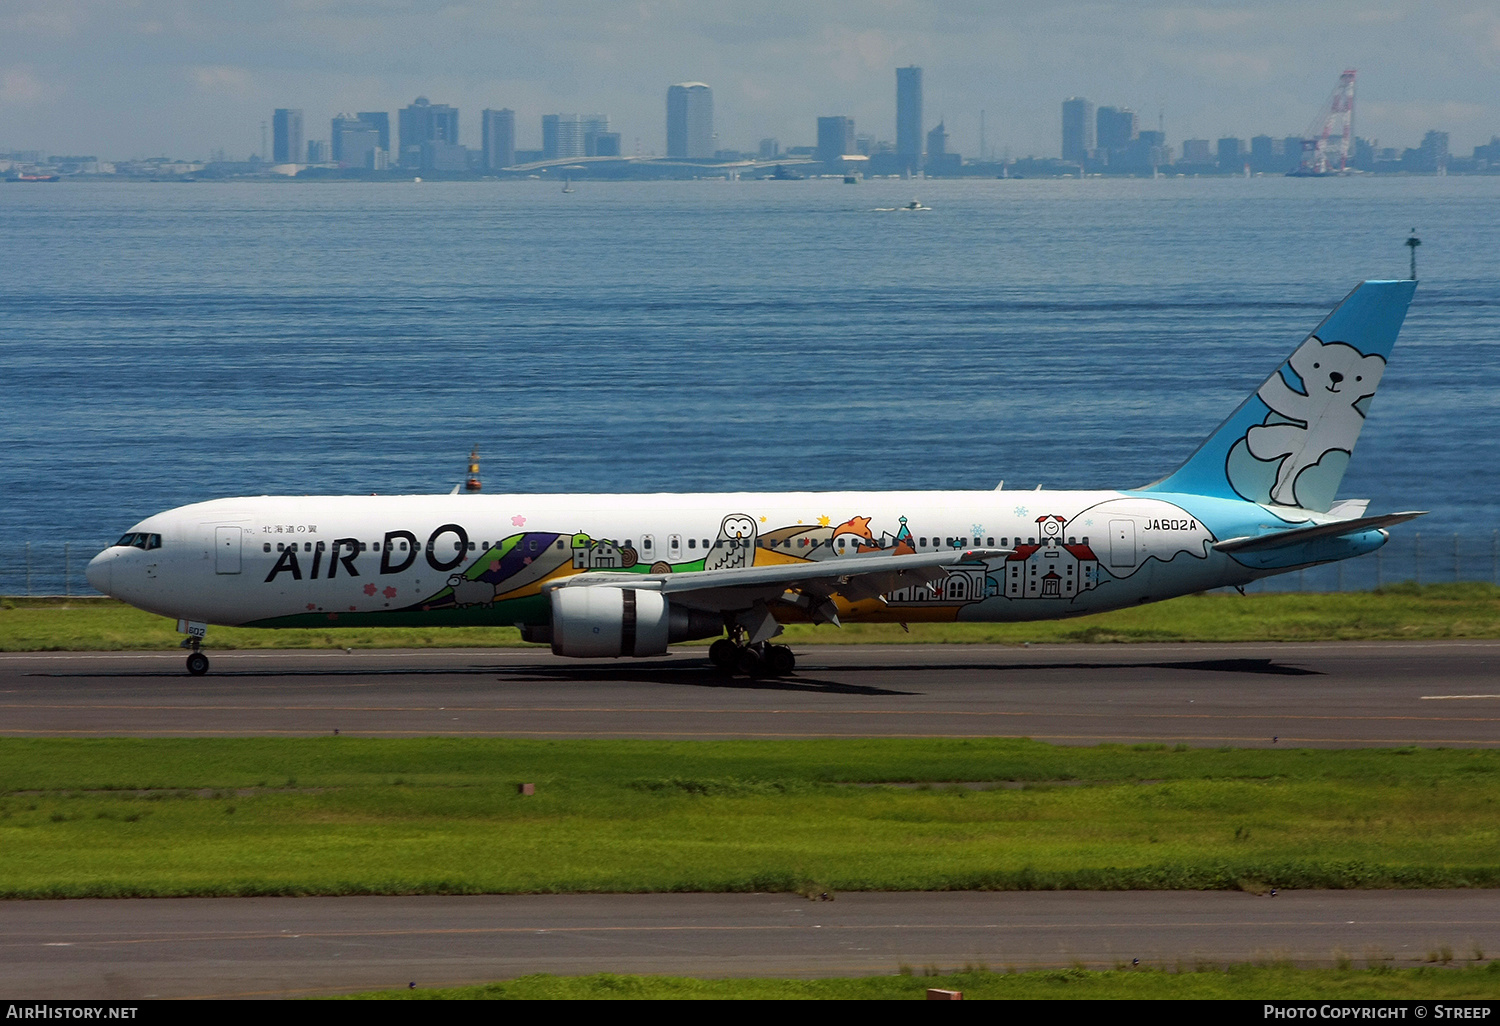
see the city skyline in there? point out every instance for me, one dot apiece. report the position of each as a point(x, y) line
point(166, 76)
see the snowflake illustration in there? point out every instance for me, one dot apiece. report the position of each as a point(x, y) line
point(1089, 522)
point(518, 520)
point(1020, 511)
point(976, 528)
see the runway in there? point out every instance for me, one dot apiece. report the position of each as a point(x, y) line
point(1325, 694)
point(286, 947)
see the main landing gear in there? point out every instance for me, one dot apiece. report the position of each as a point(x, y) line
point(762, 660)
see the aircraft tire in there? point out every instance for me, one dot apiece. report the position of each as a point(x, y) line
point(749, 662)
point(780, 660)
point(197, 664)
point(724, 653)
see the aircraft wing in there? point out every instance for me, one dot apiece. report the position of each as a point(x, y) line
point(810, 583)
point(1298, 535)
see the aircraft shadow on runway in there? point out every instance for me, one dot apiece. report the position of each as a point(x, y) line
point(698, 676)
point(681, 674)
point(702, 674)
point(1256, 666)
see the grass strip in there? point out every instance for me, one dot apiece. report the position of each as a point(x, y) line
point(1202, 982)
point(338, 815)
point(1467, 610)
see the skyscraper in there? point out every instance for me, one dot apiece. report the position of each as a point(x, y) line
point(690, 121)
point(573, 135)
point(498, 137)
point(909, 116)
point(286, 136)
point(1117, 126)
point(357, 137)
point(1077, 129)
point(835, 138)
point(381, 120)
point(429, 135)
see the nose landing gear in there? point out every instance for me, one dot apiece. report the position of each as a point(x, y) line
point(197, 662)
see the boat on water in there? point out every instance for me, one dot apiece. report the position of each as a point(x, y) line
point(568, 185)
point(781, 174)
point(913, 205)
point(23, 177)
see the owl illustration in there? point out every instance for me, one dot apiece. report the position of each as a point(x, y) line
point(735, 545)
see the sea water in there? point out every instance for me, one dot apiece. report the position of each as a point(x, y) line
point(162, 343)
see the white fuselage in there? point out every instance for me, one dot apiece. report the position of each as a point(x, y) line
point(476, 558)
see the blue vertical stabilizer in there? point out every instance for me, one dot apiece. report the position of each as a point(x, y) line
point(1289, 443)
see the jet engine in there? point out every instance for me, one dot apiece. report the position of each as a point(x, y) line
point(590, 622)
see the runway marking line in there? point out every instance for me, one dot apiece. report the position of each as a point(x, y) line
point(647, 710)
point(748, 928)
point(1441, 698)
point(731, 735)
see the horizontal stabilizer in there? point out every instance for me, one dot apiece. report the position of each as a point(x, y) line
point(1298, 535)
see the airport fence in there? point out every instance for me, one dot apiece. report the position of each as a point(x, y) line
point(57, 568)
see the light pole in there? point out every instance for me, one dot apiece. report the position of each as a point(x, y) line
point(1412, 243)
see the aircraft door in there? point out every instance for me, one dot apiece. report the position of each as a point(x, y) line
point(227, 550)
point(1122, 543)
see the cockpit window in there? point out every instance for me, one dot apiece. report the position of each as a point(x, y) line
point(140, 540)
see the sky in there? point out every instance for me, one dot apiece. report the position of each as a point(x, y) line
point(125, 79)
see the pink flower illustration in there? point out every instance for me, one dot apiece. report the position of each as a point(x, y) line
point(370, 589)
point(389, 593)
point(518, 520)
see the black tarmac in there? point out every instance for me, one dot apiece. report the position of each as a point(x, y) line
point(1326, 695)
point(1329, 695)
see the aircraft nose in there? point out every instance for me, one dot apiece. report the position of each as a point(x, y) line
point(98, 572)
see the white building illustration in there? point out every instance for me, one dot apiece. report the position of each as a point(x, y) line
point(1053, 569)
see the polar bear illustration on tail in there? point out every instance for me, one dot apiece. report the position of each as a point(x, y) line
point(1326, 417)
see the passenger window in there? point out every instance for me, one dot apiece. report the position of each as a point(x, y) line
point(692, 543)
point(280, 546)
point(471, 546)
point(988, 541)
point(559, 543)
point(922, 542)
point(646, 542)
point(268, 547)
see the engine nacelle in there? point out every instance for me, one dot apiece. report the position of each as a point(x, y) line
point(592, 622)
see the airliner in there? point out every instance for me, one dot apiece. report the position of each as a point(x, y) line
point(628, 575)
